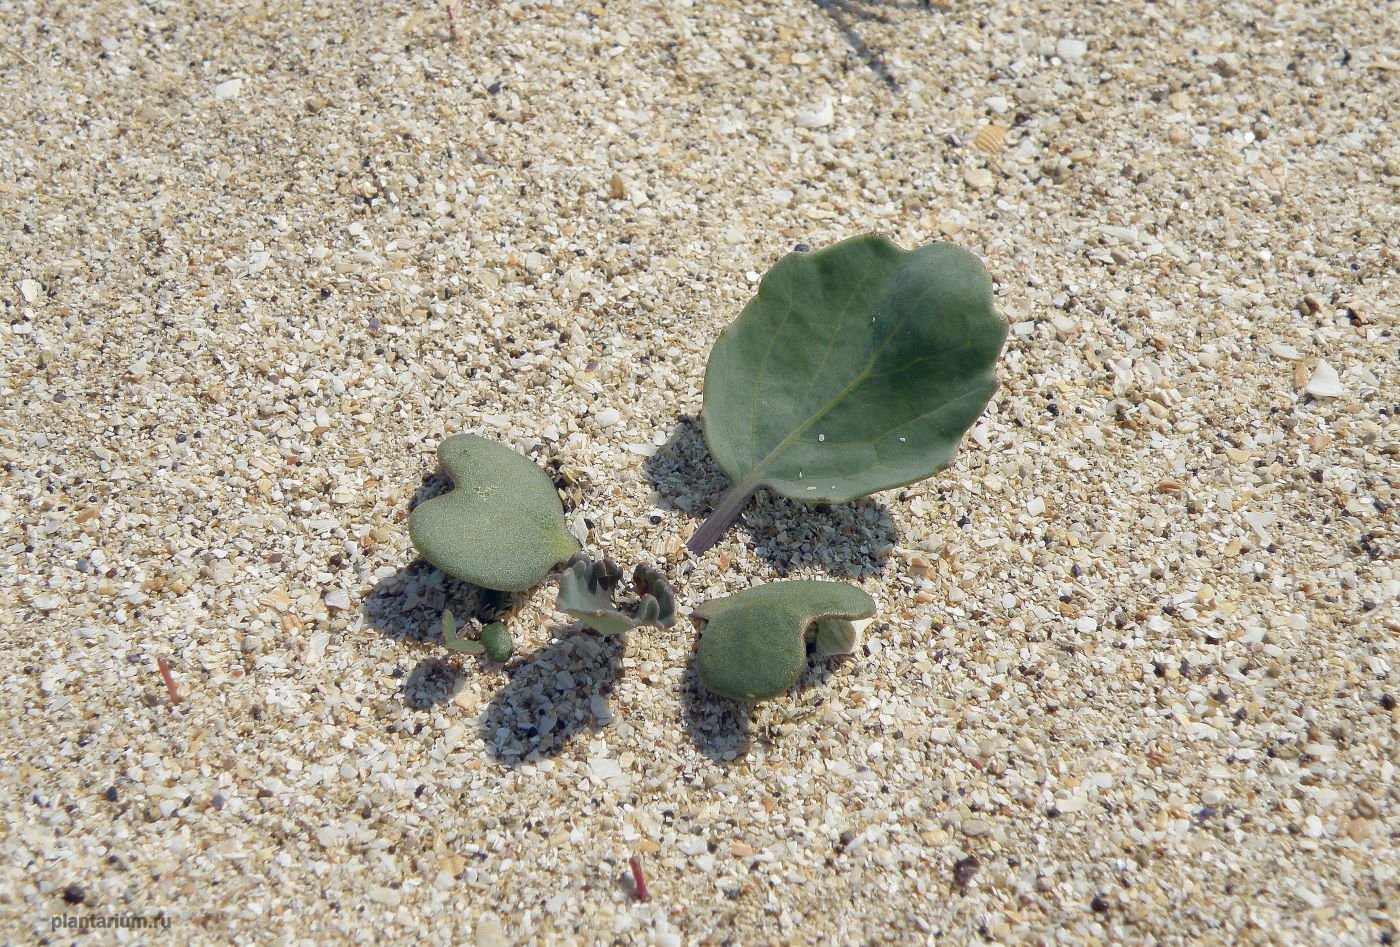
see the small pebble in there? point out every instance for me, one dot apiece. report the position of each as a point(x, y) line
point(817, 117)
point(1359, 829)
point(384, 895)
point(490, 932)
point(975, 828)
point(979, 178)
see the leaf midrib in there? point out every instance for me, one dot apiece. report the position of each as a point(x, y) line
point(755, 475)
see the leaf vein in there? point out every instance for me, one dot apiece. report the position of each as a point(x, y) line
point(870, 442)
point(756, 473)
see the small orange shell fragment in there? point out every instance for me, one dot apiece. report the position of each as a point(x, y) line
point(990, 139)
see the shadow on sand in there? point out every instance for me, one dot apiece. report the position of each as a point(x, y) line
point(848, 541)
point(847, 14)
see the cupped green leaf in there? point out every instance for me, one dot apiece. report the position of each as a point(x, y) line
point(855, 369)
point(586, 592)
point(754, 643)
point(502, 525)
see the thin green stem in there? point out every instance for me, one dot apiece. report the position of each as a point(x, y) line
point(726, 510)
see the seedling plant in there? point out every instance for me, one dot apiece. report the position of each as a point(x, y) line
point(854, 369)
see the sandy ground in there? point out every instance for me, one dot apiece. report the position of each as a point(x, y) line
point(1132, 680)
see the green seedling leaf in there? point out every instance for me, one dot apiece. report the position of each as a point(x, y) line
point(502, 525)
point(449, 636)
point(586, 591)
point(754, 643)
point(855, 369)
point(495, 638)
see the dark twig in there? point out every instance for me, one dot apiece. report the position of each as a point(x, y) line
point(845, 14)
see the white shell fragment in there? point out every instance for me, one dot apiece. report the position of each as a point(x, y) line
point(979, 179)
point(1071, 49)
point(818, 117)
point(228, 89)
point(1260, 522)
point(1324, 382)
point(30, 290)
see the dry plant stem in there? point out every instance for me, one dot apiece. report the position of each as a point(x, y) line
point(726, 510)
point(21, 55)
point(636, 865)
point(175, 695)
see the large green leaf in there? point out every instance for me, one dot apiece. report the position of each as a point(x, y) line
point(855, 369)
point(502, 525)
point(754, 643)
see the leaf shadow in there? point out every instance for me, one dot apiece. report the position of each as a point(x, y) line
point(848, 540)
point(846, 14)
point(723, 729)
point(718, 726)
point(408, 605)
point(434, 682)
point(551, 696)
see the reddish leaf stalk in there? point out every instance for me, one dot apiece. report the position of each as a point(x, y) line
point(175, 696)
point(642, 893)
point(725, 512)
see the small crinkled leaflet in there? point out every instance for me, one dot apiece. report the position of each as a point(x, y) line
point(452, 640)
point(586, 590)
